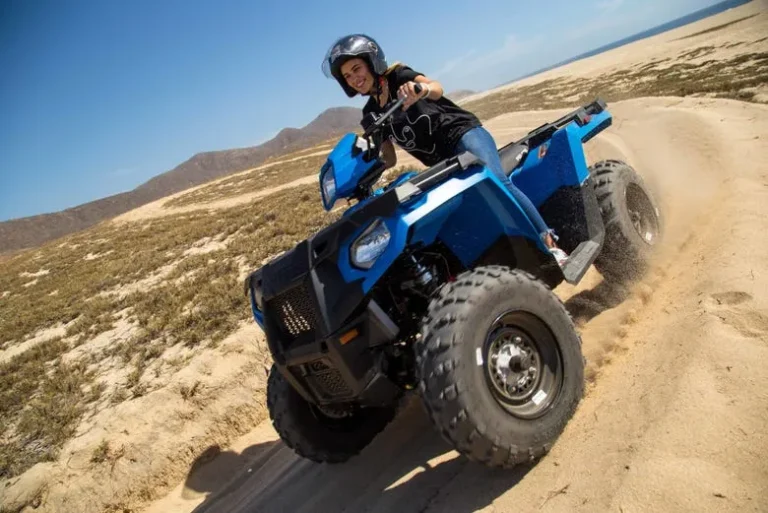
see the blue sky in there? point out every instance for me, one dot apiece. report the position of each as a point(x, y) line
point(96, 97)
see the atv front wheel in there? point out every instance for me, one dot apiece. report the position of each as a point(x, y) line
point(323, 435)
point(631, 217)
point(500, 363)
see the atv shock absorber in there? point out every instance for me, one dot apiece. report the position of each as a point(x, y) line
point(421, 274)
point(420, 277)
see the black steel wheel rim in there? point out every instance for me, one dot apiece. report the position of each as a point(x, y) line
point(522, 364)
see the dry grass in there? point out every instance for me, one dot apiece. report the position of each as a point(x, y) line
point(197, 304)
point(41, 402)
point(731, 78)
point(101, 452)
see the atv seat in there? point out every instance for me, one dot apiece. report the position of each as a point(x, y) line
point(512, 156)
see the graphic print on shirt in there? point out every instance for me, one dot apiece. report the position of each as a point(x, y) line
point(408, 131)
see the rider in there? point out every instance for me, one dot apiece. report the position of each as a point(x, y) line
point(431, 130)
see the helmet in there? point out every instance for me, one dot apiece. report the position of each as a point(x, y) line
point(348, 47)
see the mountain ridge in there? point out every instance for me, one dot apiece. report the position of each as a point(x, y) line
point(31, 231)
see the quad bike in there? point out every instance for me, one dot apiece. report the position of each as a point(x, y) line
point(438, 284)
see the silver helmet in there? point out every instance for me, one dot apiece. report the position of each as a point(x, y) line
point(351, 46)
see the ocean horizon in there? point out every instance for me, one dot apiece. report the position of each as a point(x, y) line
point(664, 27)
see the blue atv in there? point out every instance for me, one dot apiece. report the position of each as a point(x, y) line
point(438, 284)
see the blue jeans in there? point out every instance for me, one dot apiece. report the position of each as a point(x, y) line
point(480, 142)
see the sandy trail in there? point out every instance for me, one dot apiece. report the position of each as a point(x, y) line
point(675, 417)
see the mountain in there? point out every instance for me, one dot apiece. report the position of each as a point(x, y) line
point(32, 231)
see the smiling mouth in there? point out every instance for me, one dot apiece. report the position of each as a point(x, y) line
point(360, 84)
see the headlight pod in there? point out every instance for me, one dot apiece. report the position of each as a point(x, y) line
point(328, 185)
point(370, 245)
point(252, 285)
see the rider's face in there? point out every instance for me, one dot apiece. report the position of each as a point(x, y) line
point(356, 73)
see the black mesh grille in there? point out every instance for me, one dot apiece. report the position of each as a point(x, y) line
point(328, 380)
point(295, 310)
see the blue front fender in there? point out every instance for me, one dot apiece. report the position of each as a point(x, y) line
point(468, 212)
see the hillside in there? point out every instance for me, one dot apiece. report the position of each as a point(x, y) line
point(35, 230)
point(460, 94)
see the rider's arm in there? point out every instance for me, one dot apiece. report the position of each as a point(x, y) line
point(388, 154)
point(431, 89)
point(433, 86)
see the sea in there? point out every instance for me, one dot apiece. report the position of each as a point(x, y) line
point(679, 22)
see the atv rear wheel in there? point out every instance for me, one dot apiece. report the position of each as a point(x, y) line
point(321, 435)
point(632, 220)
point(500, 366)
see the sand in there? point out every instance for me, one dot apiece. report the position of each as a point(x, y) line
point(674, 416)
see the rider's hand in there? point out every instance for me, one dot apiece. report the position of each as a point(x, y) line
point(408, 91)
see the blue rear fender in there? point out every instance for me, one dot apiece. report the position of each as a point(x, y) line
point(559, 161)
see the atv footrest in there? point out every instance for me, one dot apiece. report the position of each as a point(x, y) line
point(580, 260)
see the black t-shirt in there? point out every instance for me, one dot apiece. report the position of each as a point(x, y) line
point(429, 129)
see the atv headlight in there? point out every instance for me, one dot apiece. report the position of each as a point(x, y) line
point(328, 185)
point(370, 245)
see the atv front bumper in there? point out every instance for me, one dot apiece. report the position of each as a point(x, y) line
point(342, 367)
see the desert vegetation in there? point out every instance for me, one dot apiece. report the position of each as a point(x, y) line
point(690, 74)
point(122, 296)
